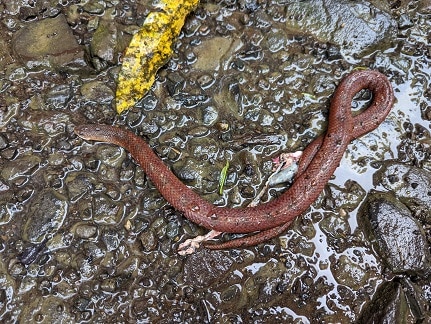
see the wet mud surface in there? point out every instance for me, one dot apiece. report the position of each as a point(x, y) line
point(85, 237)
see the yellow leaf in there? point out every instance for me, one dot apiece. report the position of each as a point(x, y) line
point(149, 49)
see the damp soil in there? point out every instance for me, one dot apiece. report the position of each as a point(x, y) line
point(86, 237)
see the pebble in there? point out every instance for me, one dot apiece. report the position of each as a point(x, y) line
point(46, 215)
point(49, 43)
point(48, 309)
point(148, 240)
point(97, 91)
point(107, 211)
point(400, 239)
point(356, 35)
point(86, 231)
point(218, 47)
point(411, 184)
point(107, 42)
point(110, 155)
point(349, 273)
point(20, 167)
point(59, 96)
point(3, 141)
point(205, 266)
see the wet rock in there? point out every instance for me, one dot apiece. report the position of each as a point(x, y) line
point(129, 268)
point(31, 252)
point(357, 28)
point(112, 239)
point(381, 309)
point(5, 212)
point(16, 268)
point(148, 240)
point(205, 81)
point(300, 245)
point(337, 229)
point(349, 273)
point(20, 168)
point(346, 197)
point(410, 184)
point(206, 266)
point(59, 241)
point(405, 22)
point(195, 173)
point(424, 6)
point(48, 43)
point(79, 184)
point(108, 41)
point(97, 91)
point(272, 277)
point(400, 239)
point(229, 99)
point(417, 293)
point(59, 96)
point(175, 83)
point(172, 229)
point(93, 251)
point(393, 303)
point(85, 265)
point(112, 158)
point(333, 52)
point(190, 100)
point(211, 52)
point(8, 114)
point(46, 215)
point(46, 309)
point(107, 211)
point(4, 191)
point(15, 73)
point(276, 40)
point(86, 231)
point(5, 52)
point(197, 131)
point(209, 116)
point(262, 117)
point(111, 155)
point(283, 176)
point(149, 102)
point(53, 123)
point(109, 285)
point(95, 7)
point(231, 293)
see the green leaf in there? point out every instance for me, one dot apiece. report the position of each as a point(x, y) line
point(223, 176)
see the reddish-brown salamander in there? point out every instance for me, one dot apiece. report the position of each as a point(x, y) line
point(318, 163)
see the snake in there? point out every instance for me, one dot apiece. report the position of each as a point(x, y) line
point(316, 166)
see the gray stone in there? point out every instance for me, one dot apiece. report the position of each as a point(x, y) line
point(205, 266)
point(20, 168)
point(357, 28)
point(47, 213)
point(400, 239)
point(107, 211)
point(97, 91)
point(410, 184)
point(86, 231)
point(48, 43)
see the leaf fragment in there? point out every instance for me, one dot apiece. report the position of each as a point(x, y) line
point(149, 49)
point(223, 176)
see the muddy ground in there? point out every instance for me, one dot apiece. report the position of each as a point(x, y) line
point(85, 236)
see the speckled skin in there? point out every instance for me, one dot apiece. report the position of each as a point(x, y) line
point(319, 161)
